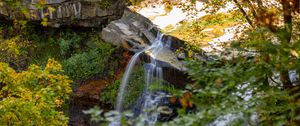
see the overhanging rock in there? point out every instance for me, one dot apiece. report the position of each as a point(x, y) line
point(132, 31)
point(135, 32)
point(84, 13)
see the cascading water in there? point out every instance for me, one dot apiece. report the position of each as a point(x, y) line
point(153, 73)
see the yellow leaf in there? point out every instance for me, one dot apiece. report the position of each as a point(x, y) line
point(294, 53)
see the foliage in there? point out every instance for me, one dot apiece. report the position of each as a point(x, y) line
point(81, 58)
point(83, 55)
point(14, 51)
point(246, 86)
point(82, 66)
point(95, 113)
point(68, 43)
point(51, 45)
point(105, 4)
point(201, 31)
point(20, 8)
point(110, 94)
point(33, 97)
point(109, 118)
point(254, 88)
point(134, 2)
point(238, 87)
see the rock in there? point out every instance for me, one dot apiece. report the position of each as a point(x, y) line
point(134, 32)
point(152, 12)
point(89, 92)
point(169, 57)
point(181, 56)
point(171, 19)
point(164, 104)
point(84, 13)
point(85, 97)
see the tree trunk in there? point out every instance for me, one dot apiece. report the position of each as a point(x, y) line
point(287, 14)
point(285, 79)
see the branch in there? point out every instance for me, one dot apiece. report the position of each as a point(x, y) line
point(252, 9)
point(244, 13)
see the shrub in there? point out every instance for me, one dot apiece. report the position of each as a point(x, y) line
point(14, 52)
point(68, 43)
point(33, 97)
point(246, 87)
point(82, 66)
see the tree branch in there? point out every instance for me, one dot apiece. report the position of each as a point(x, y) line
point(243, 12)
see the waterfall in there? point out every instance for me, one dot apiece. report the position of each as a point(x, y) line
point(153, 73)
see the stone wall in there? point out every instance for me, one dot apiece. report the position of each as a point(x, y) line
point(85, 13)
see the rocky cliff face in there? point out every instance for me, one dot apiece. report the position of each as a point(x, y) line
point(85, 13)
point(122, 26)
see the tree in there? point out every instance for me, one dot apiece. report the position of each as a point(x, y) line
point(33, 97)
point(246, 87)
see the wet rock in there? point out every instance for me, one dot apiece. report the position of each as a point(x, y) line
point(90, 91)
point(85, 97)
point(165, 105)
point(131, 32)
point(166, 113)
point(134, 32)
point(85, 13)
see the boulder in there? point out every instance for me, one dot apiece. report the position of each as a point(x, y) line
point(135, 32)
point(84, 13)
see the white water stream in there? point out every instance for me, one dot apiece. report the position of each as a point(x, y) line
point(153, 74)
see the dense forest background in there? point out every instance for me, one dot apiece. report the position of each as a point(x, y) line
point(254, 81)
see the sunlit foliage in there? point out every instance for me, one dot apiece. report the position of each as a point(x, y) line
point(255, 87)
point(33, 97)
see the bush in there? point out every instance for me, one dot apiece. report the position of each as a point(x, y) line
point(247, 87)
point(14, 52)
point(82, 66)
point(69, 43)
point(33, 97)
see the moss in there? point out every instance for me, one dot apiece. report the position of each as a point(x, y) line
point(105, 4)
